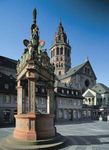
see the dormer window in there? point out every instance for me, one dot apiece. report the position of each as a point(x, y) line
point(6, 86)
point(76, 93)
point(72, 92)
point(62, 91)
point(67, 91)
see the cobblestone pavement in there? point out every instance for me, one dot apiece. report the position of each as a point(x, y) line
point(79, 136)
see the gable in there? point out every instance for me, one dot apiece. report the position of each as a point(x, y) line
point(100, 88)
point(87, 70)
point(89, 91)
point(89, 94)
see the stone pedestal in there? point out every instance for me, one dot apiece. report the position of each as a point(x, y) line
point(25, 127)
point(45, 126)
point(34, 127)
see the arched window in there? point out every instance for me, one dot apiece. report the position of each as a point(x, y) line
point(59, 37)
point(56, 65)
point(59, 72)
point(61, 59)
point(57, 59)
point(61, 64)
point(57, 51)
point(87, 83)
point(61, 50)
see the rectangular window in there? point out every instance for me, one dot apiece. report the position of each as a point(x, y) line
point(60, 102)
point(7, 99)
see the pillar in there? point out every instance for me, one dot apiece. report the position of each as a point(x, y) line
point(31, 95)
point(50, 100)
point(19, 97)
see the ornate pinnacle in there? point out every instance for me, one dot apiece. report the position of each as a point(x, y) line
point(34, 15)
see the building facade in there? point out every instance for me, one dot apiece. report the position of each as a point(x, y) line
point(68, 102)
point(98, 99)
point(8, 99)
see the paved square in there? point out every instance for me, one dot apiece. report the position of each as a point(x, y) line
point(80, 136)
point(85, 136)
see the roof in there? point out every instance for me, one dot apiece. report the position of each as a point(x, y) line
point(9, 81)
point(6, 77)
point(74, 70)
point(100, 88)
point(64, 85)
point(7, 62)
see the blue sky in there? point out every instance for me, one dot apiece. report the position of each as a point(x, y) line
point(86, 23)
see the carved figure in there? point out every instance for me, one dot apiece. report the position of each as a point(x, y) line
point(41, 45)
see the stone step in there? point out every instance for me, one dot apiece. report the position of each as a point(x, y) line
point(11, 143)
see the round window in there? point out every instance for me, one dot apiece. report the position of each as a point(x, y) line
point(87, 83)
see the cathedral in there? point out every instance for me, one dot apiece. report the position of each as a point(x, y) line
point(80, 77)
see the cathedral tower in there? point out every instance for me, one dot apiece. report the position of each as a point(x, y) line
point(60, 52)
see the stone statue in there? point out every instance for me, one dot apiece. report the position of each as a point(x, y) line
point(41, 45)
point(34, 45)
point(34, 31)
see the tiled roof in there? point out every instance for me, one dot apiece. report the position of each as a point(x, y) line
point(64, 85)
point(100, 88)
point(7, 62)
point(10, 81)
point(74, 70)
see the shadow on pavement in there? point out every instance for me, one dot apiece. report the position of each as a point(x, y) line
point(86, 140)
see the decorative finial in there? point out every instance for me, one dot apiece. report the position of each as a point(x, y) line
point(60, 21)
point(87, 59)
point(34, 15)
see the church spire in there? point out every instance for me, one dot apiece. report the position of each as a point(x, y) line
point(60, 36)
point(60, 51)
